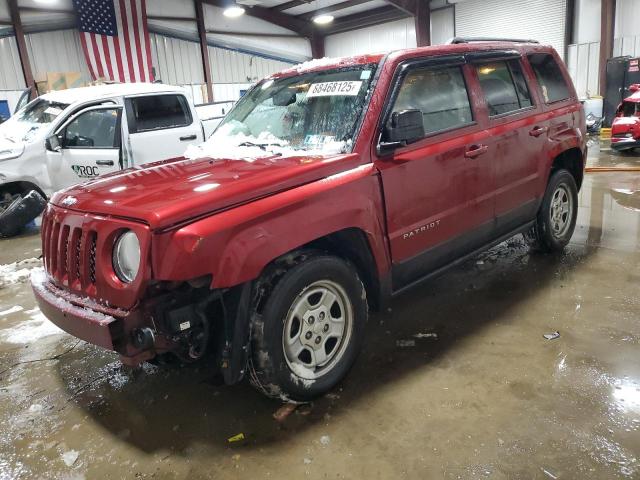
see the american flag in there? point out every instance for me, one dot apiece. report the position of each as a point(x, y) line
point(115, 39)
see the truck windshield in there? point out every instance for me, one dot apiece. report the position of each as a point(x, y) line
point(311, 113)
point(28, 121)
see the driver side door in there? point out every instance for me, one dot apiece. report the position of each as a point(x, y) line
point(89, 146)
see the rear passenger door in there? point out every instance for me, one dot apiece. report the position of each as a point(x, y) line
point(437, 189)
point(517, 137)
point(160, 127)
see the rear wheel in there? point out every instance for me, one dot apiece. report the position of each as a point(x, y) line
point(556, 219)
point(309, 332)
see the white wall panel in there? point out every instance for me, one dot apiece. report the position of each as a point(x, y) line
point(379, 38)
point(12, 97)
point(442, 25)
point(4, 10)
point(58, 51)
point(627, 14)
point(10, 68)
point(586, 21)
point(582, 62)
point(542, 20)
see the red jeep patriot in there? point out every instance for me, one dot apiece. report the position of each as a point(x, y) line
point(328, 189)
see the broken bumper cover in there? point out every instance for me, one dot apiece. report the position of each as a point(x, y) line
point(624, 143)
point(93, 323)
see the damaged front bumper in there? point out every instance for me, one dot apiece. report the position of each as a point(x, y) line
point(110, 328)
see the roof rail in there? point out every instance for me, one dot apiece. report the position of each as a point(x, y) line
point(456, 40)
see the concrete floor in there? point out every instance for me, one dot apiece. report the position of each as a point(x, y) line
point(488, 397)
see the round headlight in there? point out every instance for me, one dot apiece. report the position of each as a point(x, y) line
point(126, 256)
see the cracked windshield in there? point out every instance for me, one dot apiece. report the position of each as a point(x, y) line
point(25, 123)
point(313, 113)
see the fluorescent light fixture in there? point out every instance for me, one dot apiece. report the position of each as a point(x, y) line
point(46, 2)
point(323, 19)
point(234, 11)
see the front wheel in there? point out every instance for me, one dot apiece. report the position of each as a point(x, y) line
point(556, 219)
point(18, 210)
point(309, 331)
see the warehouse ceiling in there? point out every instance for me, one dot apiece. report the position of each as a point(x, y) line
point(347, 14)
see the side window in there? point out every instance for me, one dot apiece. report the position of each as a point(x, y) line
point(552, 82)
point(440, 94)
point(93, 129)
point(155, 112)
point(504, 87)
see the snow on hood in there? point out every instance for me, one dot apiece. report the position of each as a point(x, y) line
point(234, 141)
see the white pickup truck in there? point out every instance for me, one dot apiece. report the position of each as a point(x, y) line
point(68, 136)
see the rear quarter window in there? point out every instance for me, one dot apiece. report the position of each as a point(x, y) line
point(550, 78)
point(156, 112)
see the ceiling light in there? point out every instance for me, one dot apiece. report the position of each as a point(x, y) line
point(323, 19)
point(233, 11)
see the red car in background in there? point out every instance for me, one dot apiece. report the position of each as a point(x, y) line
point(625, 128)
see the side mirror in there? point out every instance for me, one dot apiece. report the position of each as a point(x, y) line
point(52, 143)
point(404, 127)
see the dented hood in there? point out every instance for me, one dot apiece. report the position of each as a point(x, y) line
point(166, 193)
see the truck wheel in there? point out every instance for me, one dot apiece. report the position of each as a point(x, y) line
point(20, 211)
point(556, 218)
point(310, 329)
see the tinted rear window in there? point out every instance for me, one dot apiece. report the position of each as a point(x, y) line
point(552, 82)
point(156, 112)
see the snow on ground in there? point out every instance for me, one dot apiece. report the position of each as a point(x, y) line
point(34, 328)
point(18, 272)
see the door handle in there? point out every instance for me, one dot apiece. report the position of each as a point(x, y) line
point(537, 131)
point(188, 137)
point(105, 163)
point(476, 150)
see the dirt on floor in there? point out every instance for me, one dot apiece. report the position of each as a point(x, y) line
point(456, 380)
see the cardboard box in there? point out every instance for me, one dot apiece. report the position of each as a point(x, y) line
point(50, 81)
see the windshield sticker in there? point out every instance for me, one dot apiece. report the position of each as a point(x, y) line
point(329, 89)
point(53, 111)
point(365, 74)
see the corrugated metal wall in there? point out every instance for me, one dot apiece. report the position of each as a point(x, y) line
point(542, 20)
point(379, 38)
point(58, 51)
point(178, 61)
point(235, 67)
point(10, 67)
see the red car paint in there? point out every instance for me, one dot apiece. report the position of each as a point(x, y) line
point(625, 128)
point(484, 178)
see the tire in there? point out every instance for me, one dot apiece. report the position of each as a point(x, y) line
point(21, 211)
point(556, 219)
point(286, 325)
